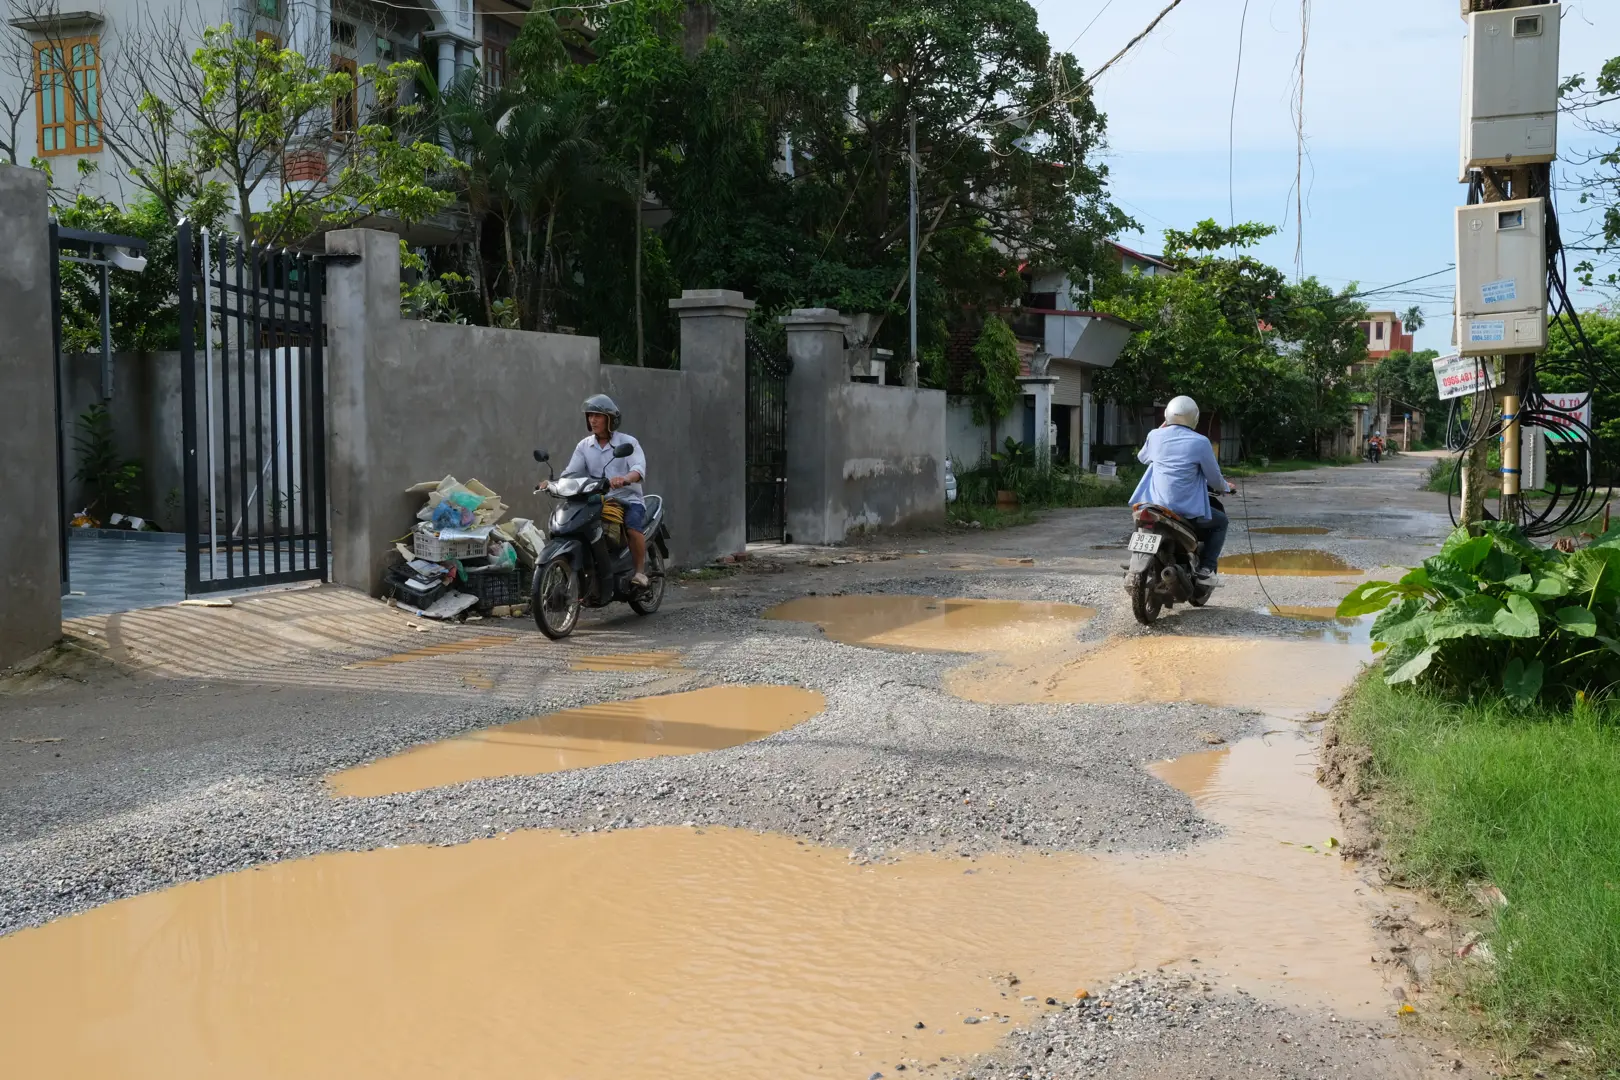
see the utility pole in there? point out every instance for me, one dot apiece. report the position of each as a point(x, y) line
point(1501, 183)
point(911, 370)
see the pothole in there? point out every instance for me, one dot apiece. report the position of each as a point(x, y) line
point(1288, 678)
point(1297, 562)
point(688, 723)
point(675, 953)
point(1292, 530)
point(1328, 625)
point(931, 624)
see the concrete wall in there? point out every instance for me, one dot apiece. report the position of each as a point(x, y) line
point(145, 411)
point(411, 401)
point(859, 456)
point(30, 558)
point(966, 442)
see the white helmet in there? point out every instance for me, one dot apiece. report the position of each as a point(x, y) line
point(1182, 410)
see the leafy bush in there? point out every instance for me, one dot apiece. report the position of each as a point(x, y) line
point(106, 474)
point(1013, 468)
point(1495, 611)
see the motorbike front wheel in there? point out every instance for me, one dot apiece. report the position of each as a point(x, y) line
point(1144, 601)
point(556, 599)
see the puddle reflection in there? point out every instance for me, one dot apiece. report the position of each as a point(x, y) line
point(1297, 562)
point(931, 624)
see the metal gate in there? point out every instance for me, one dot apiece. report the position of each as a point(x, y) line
point(254, 414)
point(767, 441)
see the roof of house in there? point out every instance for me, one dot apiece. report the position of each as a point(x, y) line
point(1131, 253)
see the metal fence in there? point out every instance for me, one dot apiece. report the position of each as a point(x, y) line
point(254, 412)
point(766, 438)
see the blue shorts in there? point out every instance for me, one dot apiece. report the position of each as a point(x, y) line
point(635, 515)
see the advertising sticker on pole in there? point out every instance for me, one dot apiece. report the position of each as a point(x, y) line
point(1458, 376)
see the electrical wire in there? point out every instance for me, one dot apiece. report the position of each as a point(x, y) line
point(1231, 130)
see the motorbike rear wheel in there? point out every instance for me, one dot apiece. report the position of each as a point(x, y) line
point(647, 601)
point(556, 599)
point(1145, 602)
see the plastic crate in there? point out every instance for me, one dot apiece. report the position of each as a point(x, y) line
point(495, 587)
point(405, 593)
point(425, 542)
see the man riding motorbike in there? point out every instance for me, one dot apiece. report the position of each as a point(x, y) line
point(1181, 472)
point(594, 457)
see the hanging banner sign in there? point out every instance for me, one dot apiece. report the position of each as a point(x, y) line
point(1458, 376)
point(1577, 406)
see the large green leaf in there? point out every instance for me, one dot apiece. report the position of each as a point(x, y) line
point(1366, 598)
point(1413, 667)
point(1409, 618)
point(1577, 620)
point(1449, 578)
point(1467, 553)
point(1519, 619)
point(1472, 616)
point(1511, 538)
point(1522, 681)
point(1595, 573)
point(1549, 586)
point(1497, 565)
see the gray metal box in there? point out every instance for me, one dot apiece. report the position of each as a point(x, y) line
point(1502, 277)
point(1510, 87)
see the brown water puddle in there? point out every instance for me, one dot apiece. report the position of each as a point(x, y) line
point(1293, 530)
point(688, 723)
point(930, 624)
point(1281, 677)
point(629, 661)
point(1330, 626)
point(1299, 562)
point(671, 953)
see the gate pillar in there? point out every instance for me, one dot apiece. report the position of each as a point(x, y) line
point(714, 327)
point(815, 453)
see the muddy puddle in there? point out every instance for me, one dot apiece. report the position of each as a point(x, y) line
point(1284, 678)
point(687, 723)
point(629, 661)
point(1293, 530)
point(931, 624)
point(1327, 624)
point(674, 953)
point(1298, 562)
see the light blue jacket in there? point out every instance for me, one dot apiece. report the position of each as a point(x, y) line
point(1181, 471)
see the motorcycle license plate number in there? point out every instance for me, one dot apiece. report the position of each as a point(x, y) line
point(1146, 543)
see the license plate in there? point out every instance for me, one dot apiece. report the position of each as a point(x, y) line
point(1146, 543)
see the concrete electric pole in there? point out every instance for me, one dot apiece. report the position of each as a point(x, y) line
point(1509, 139)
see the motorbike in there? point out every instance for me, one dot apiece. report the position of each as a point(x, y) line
point(578, 568)
point(1164, 557)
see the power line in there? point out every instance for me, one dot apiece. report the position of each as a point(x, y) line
point(1231, 131)
point(1089, 25)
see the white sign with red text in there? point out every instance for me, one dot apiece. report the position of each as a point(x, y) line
point(1458, 376)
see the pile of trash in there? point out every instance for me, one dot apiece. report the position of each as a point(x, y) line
point(461, 557)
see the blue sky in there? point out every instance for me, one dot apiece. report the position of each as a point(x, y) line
point(1382, 82)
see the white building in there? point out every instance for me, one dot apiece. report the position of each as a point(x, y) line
point(81, 67)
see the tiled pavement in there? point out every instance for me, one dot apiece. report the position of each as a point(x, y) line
point(109, 574)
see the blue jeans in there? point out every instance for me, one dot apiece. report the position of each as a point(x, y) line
point(635, 516)
point(1212, 531)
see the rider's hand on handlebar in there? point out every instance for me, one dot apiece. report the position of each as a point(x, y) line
point(618, 482)
point(1231, 488)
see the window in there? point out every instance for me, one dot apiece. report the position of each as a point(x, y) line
point(343, 33)
point(494, 64)
point(1510, 219)
point(346, 109)
point(1378, 331)
point(1527, 26)
point(68, 77)
point(270, 9)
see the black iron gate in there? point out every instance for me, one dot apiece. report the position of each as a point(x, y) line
point(766, 441)
point(254, 409)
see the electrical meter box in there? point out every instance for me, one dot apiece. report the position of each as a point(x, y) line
point(1510, 87)
point(1502, 277)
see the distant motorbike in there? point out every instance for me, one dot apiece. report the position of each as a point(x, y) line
point(1164, 555)
point(579, 568)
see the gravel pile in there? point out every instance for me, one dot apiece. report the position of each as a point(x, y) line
point(1171, 1025)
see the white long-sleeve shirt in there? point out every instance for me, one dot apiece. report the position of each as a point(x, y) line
point(591, 458)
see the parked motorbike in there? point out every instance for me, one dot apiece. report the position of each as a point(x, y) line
point(579, 568)
point(1164, 557)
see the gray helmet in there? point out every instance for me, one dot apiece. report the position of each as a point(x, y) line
point(601, 403)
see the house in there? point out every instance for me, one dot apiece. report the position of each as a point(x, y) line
point(86, 64)
point(1384, 335)
point(1055, 318)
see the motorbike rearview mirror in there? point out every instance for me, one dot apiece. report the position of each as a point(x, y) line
point(541, 456)
point(624, 451)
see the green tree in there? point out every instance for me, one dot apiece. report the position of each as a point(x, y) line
point(992, 380)
point(1595, 106)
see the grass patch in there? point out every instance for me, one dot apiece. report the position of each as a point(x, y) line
point(989, 517)
point(1527, 799)
point(1254, 468)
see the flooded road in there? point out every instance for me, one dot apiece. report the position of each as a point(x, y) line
point(688, 723)
point(1235, 671)
point(1296, 562)
point(931, 624)
point(672, 953)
